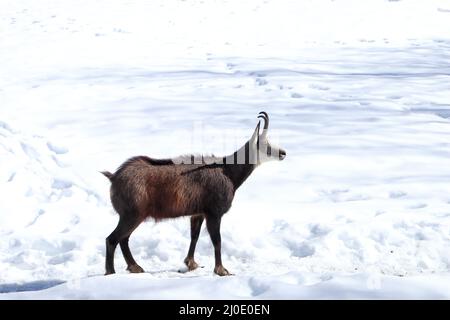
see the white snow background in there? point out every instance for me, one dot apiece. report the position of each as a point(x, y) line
point(359, 96)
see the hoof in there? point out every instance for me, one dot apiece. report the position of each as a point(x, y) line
point(191, 264)
point(135, 269)
point(221, 271)
point(109, 272)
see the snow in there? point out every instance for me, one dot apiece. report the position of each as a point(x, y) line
point(292, 285)
point(358, 95)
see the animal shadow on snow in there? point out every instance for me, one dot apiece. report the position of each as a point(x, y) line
point(29, 286)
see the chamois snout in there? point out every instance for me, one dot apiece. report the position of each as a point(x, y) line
point(282, 154)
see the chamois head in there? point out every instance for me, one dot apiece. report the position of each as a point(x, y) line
point(261, 150)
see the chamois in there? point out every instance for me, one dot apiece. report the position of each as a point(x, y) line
point(202, 188)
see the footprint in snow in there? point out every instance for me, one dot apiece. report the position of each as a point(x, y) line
point(56, 149)
point(61, 258)
point(29, 151)
point(61, 184)
point(261, 82)
point(350, 242)
point(61, 188)
point(40, 213)
point(257, 74)
point(318, 230)
point(394, 97)
point(11, 177)
point(296, 95)
point(302, 251)
point(230, 66)
point(396, 194)
point(319, 87)
point(356, 197)
point(417, 206)
point(334, 191)
point(75, 220)
point(257, 287)
point(379, 212)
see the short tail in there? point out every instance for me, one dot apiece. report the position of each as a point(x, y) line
point(107, 174)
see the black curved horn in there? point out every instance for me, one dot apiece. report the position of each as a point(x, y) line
point(265, 116)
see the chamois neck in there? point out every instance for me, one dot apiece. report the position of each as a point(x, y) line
point(238, 173)
point(238, 166)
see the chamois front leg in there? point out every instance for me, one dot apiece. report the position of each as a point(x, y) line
point(196, 225)
point(213, 226)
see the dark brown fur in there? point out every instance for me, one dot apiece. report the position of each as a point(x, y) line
point(159, 189)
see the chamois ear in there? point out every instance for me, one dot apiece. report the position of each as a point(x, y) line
point(255, 136)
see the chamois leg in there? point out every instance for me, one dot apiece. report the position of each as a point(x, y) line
point(196, 225)
point(124, 228)
point(213, 226)
point(133, 267)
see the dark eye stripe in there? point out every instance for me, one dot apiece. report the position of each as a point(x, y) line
point(269, 150)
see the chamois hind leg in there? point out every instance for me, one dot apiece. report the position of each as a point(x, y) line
point(127, 223)
point(133, 267)
point(196, 225)
point(213, 225)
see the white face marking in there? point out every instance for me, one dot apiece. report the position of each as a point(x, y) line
point(268, 152)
